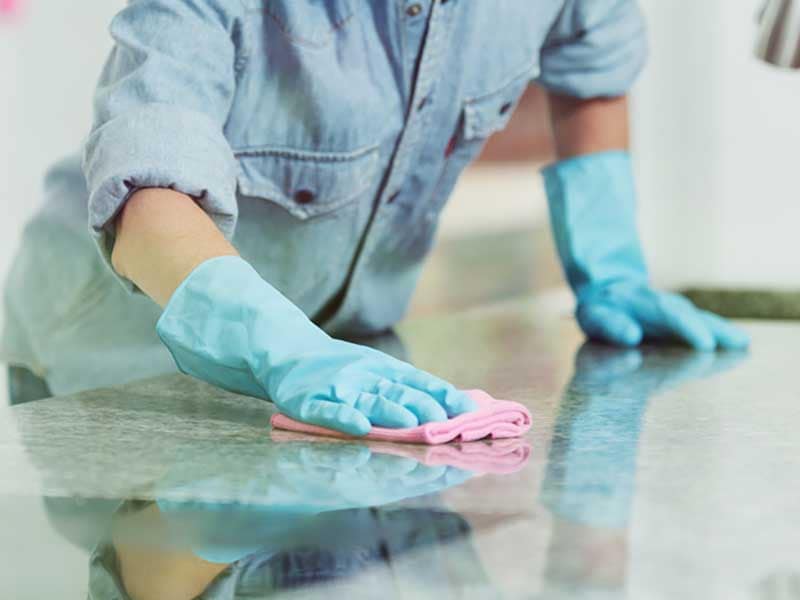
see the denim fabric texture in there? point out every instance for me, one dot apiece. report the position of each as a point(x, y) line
point(322, 137)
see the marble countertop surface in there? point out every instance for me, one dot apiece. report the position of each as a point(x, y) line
point(649, 473)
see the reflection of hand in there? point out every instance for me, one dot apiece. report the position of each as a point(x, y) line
point(645, 371)
point(296, 484)
point(592, 462)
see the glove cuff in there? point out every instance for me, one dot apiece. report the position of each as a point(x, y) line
point(592, 204)
point(226, 325)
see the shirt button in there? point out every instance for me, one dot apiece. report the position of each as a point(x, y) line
point(393, 197)
point(423, 103)
point(414, 10)
point(304, 196)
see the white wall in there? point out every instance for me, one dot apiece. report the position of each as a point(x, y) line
point(717, 137)
point(50, 58)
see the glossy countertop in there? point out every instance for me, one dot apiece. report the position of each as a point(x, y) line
point(649, 473)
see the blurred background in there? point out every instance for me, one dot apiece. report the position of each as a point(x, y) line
point(715, 139)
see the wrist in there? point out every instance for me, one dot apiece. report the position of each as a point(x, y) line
point(620, 155)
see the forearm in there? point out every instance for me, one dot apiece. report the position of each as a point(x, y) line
point(152, 565)
point(162, 236)
point(588, 126)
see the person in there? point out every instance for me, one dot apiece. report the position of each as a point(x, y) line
point(271, 175)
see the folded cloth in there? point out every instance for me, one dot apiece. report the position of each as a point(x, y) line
point(493, 418)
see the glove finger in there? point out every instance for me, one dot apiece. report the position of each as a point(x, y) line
point(421, 404)
point(454, 401)
point(683, 321)
point(728, 335)
point(382, 412)
point(337, 457)
point(384, 467)
point(333, 415)
point(423, 474)
point(608, 324)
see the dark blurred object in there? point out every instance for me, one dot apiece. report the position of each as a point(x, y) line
point(527, 137)
point(24, 386)
point(778, 41)
point(747, 304)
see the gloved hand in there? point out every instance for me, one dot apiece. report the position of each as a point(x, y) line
point(226, 325)
point(592, 211)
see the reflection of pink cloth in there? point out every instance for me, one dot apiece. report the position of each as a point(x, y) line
point(493, 419)
point(500, 457)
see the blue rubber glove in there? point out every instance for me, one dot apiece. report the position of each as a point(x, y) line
point(226, 325)
point(593, 216)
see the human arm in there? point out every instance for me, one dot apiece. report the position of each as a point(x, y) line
point(593, 57)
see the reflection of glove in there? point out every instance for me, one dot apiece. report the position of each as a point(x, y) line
point(226, 325)
point(592, 209)
point(592, 462)
point(297, 483)
point(605, 372)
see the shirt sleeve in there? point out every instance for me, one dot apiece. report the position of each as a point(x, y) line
point(159, 111)
point(596, 48)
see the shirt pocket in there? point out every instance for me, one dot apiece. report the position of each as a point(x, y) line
point(489, 113)
point(307, 184)
point(481, 117)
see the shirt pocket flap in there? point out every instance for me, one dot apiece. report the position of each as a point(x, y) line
point(490, 113)
point(306, 184)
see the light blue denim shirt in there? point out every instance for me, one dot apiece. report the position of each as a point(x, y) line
point(322, 137)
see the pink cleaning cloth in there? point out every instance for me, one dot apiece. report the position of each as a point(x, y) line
point(493, 419)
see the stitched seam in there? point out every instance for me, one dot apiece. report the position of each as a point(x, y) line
point(311, 156)
point(337, 25)
point(529, 68)
point(361, 180)
point(278, 195)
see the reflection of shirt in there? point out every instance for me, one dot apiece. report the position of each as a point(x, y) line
point(419, 552)
point(323, 137)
